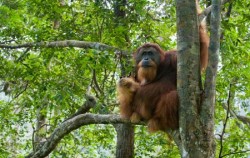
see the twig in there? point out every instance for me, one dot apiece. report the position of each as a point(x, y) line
point(23, 55)
point(226, 120)
point(237, 152)
point(22, 91)
point(96, 83)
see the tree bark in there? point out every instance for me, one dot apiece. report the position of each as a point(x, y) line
point(196, 127)
point(62, 44)
point(208, 104)
point(188, 79)
point(125, 141)
point(74, 123)
point(41, 126)
point(41, 129)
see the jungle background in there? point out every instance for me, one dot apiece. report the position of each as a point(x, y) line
point(43, 84)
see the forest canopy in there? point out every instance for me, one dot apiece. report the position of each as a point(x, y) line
point(60, 59)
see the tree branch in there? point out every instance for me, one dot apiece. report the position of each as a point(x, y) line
point(237, 152)
point(74, 123)
point(230, 98)
point(209, 9)
point(243, 119)
point(62, 44)
point(208, 104)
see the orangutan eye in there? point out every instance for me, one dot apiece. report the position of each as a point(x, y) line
point(150, 53)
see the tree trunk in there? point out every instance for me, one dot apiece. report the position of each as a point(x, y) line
point(41, 128)
point(125, 141)
point(188, 79)
point(196, 112)
point(125, 132)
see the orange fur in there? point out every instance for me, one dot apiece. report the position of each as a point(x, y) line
point(204, 44)
point(146, 75)
point(152, 95)
point(125, 90)
point(167, 106)
point(135, 117)
point(204, 41)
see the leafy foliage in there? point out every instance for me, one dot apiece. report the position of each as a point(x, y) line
point(52, 82)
